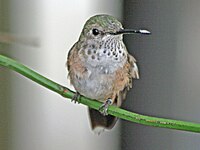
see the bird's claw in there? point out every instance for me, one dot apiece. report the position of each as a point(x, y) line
point(103, 109)
point(75, 98)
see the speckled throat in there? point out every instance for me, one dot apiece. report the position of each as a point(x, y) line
point(110, 53)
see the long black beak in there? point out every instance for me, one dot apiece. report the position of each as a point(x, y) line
point(131, 31)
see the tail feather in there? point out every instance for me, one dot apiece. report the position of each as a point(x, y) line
point(98, 121)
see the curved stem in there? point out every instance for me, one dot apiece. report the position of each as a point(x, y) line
point(112, 110)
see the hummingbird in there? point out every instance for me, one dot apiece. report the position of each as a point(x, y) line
point(101, 68)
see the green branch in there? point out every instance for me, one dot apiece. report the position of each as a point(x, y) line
point(118, 112)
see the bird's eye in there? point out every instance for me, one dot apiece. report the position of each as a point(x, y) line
point(95, 32)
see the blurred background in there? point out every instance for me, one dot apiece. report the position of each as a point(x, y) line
point(39, 34)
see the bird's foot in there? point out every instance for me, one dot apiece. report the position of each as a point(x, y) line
point(103, 109)
point(75, 98)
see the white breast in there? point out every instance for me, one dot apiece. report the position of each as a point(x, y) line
point(96, 85)
point(102, 60)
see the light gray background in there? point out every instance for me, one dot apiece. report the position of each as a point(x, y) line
point(32, 117)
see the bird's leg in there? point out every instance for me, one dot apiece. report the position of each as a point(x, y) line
point(103, 109)
point(76, 97)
